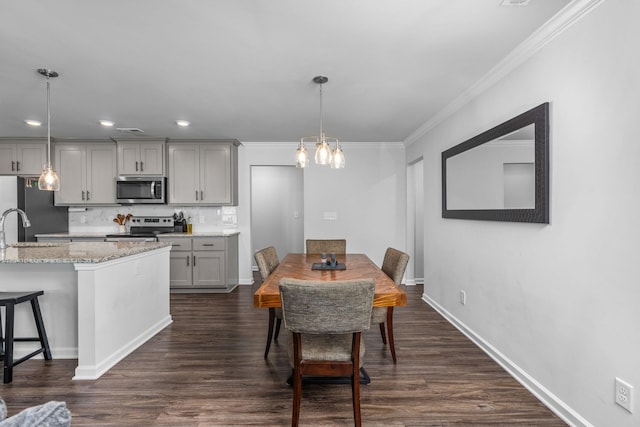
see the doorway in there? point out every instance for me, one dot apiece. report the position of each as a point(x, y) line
point(415, 219)
point(277, 209)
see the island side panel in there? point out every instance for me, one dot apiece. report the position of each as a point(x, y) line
point(58, 306)
point(121, 304)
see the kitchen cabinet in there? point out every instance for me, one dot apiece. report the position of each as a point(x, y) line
point(141, 157)
point(87, 173)
point(22, 156)
point(203, 264)
point(203, 172)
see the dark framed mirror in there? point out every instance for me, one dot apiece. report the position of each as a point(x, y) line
point(501, 174)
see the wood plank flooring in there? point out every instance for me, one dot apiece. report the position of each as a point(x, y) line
point(207, 369)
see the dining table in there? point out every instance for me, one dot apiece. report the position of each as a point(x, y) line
point(349, 266)
point(356, 266)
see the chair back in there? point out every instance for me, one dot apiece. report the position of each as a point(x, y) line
point(317, 246)
point(331, 307)
point(267, 260)
point(394, 264)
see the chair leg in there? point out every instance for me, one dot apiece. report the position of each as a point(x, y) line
point(355, 380)
point(392, 344)
point(8, 345)
point(277, 332)
point(382, 334)
point(272, 317)
point(42, 333)
point(297, 397)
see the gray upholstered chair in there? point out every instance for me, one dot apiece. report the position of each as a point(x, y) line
point(317, 246)
point(394, 264)
point(325, 320)
point(267, 260)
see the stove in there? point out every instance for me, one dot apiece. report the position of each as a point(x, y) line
point(144, 229)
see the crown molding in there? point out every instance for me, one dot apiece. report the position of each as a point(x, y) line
point(561, 21)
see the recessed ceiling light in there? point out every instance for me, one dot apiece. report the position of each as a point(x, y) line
point(33, 122)
point(183, 123)
point(107, 123)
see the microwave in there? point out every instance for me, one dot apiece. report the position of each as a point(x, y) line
point(140, 189)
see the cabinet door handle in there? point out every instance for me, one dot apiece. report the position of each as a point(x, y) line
point(207, 244)
point(141, 166)
point(82, 194)
point(187, 260)
point(136, 166)
point(18, 165)
point(88, 195)
point(194, 260)
point(196, 194)
point(201, 196)
point(13, 166)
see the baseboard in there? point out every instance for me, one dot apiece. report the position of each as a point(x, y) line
point(550, 400)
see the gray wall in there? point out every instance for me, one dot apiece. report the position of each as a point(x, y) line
point(557, 303)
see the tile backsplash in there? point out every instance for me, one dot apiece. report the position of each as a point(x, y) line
point(100, 219)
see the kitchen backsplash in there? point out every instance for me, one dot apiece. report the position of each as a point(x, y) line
point(100, 219)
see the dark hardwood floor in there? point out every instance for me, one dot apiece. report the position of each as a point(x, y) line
point(207, 369)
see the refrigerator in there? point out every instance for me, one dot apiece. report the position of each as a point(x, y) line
point(38, 205)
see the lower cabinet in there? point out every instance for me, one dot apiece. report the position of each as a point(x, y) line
point(203, 264)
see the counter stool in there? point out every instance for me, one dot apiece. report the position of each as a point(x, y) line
point(9, 300)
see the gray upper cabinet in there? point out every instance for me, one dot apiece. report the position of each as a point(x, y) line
point(87, 173)
point(24, 157)
point(203, 172)
point(141, 157)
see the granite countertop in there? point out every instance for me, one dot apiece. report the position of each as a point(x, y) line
point(73, 252)
point(201, 234)
point(98, 235)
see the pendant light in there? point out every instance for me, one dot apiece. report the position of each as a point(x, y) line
point(323, 155)
point(49, 178)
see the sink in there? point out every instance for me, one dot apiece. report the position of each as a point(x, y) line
point(34, 244)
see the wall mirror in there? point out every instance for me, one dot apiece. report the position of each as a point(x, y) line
point(501, 174)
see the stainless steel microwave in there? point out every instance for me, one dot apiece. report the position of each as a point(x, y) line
point(140, 189)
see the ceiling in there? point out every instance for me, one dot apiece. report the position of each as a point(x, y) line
point(243, 68)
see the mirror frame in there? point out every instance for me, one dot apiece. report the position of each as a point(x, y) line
point(540, 213)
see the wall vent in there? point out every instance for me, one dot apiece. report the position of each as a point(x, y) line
point(130, 130)
point(514, 2)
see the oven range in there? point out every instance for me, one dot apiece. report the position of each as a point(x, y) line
point(144, 229)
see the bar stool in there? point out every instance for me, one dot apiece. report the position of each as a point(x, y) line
point(9, 300)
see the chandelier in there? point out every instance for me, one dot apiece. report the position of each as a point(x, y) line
point(49, 178)
point(324, 155)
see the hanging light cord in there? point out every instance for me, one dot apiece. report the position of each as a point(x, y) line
point(48, 121)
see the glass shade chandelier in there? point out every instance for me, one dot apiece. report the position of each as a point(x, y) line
point(324, 155)
point(49, 178)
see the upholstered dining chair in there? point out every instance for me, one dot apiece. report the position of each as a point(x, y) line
point(393, 265)
point(317, 246)
point(325, 320)
point(267, 261)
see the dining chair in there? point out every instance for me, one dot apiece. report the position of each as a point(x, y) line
point(325, 320)
point(393, 265)
point(317, 246)
point(267, 261)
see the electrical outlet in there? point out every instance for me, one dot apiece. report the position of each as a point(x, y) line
point(624, 394)
point(463, 297)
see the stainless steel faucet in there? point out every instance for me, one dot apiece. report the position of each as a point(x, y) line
point(25, 223)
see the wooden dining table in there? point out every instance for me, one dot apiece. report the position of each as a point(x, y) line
point(358, 266)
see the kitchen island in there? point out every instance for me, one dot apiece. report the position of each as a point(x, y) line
point(101, 301)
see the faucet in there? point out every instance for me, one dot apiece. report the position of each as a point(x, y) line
point(25, 223)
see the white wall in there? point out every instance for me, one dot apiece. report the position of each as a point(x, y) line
point(556, 303)
point(368, 196)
